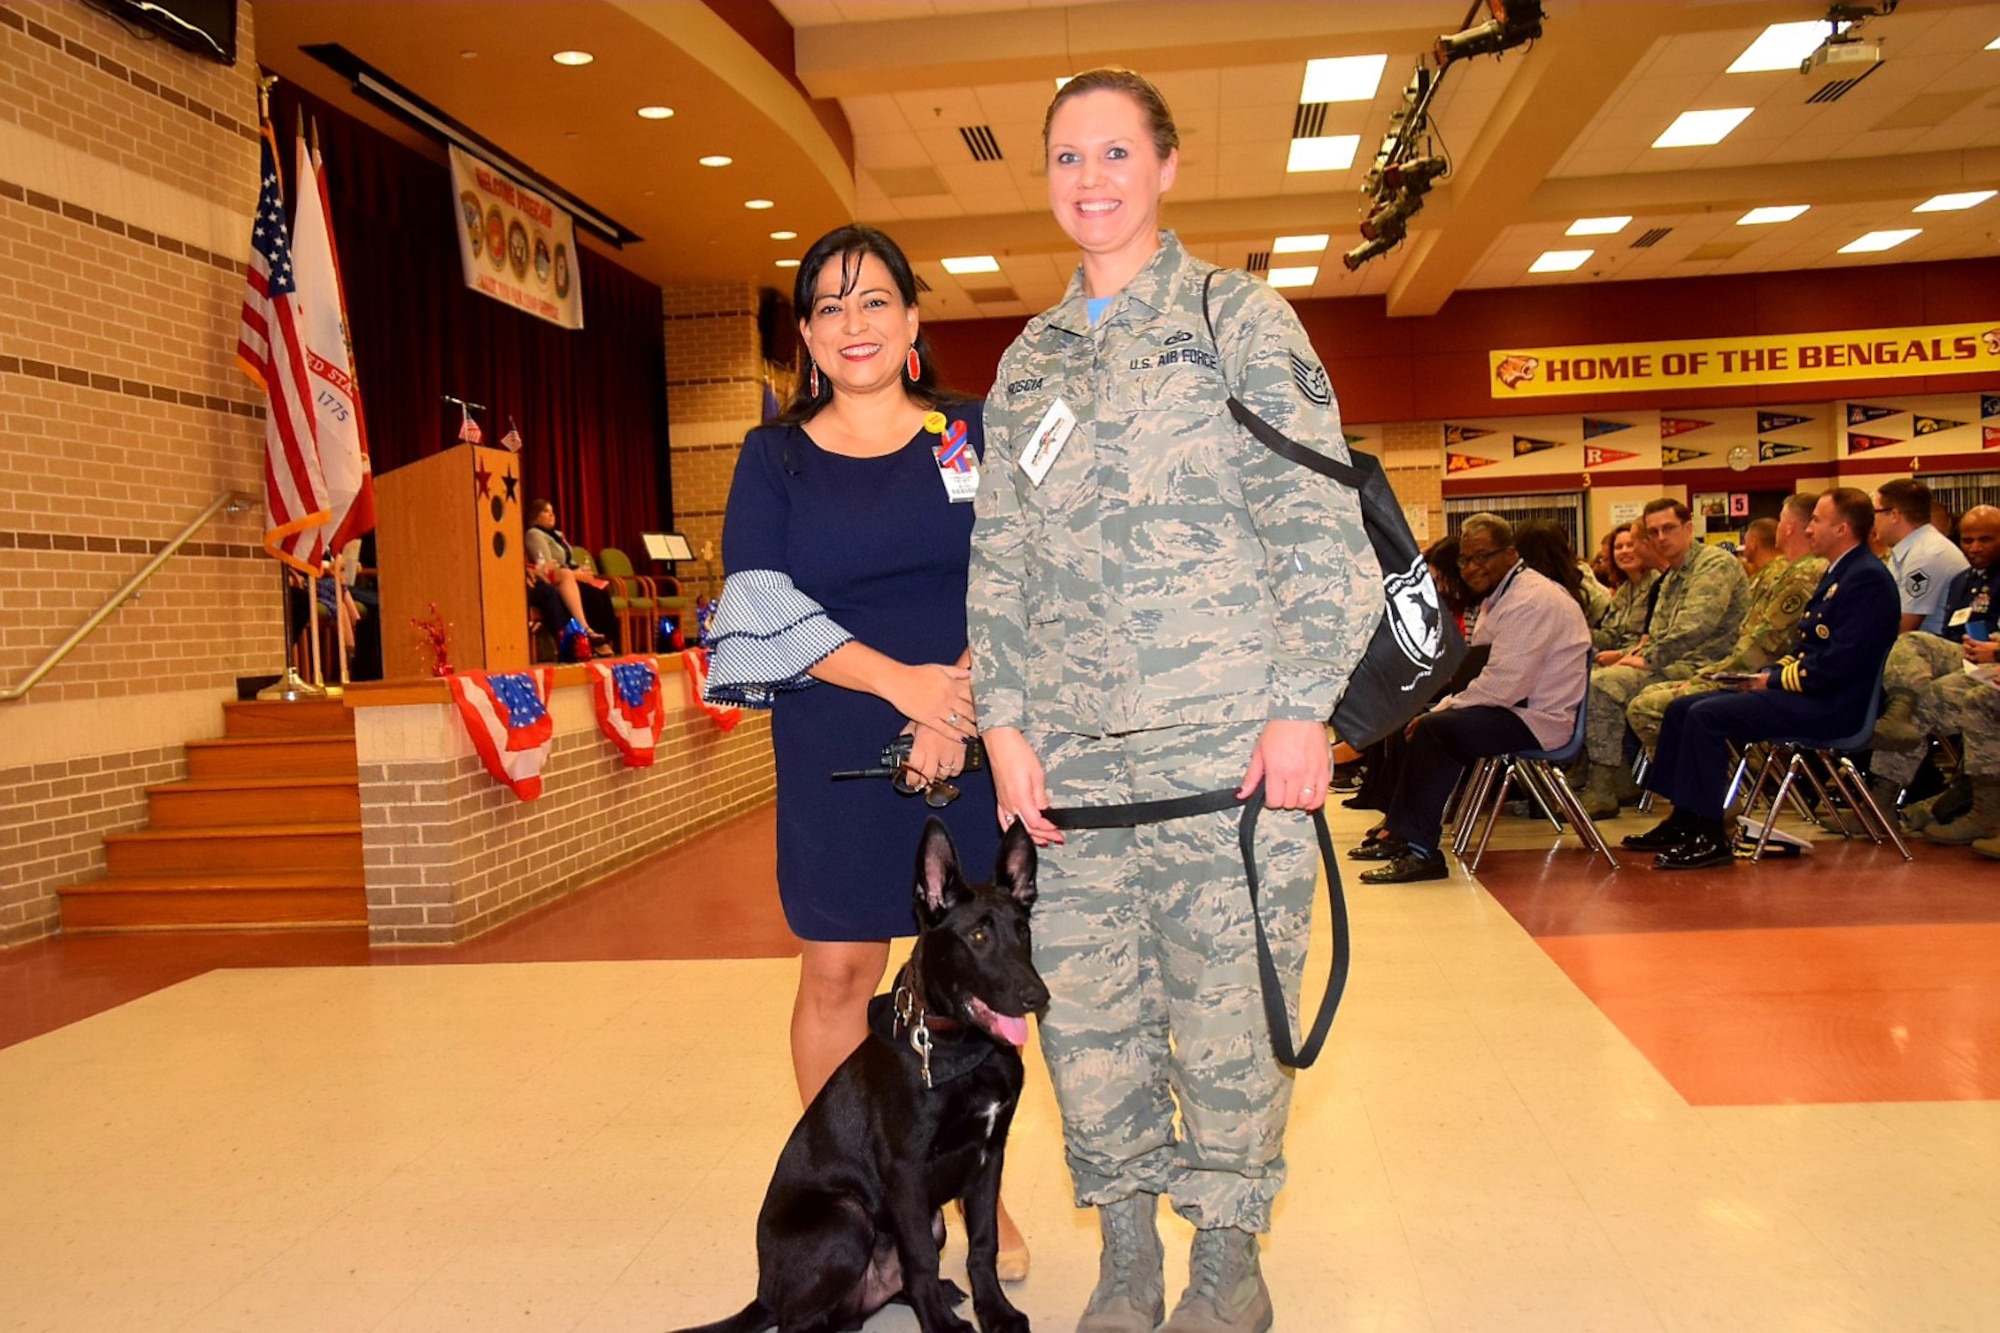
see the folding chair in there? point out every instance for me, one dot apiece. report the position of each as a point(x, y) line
point(1835, 772)
point(1541, 774)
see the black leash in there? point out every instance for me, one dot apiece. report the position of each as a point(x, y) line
point(1213, 802)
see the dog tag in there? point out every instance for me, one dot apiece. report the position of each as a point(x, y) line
point(1047, 441)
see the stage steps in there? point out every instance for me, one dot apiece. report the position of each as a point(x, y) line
point(264, 832)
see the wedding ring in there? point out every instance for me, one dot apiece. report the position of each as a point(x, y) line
point(953, 719)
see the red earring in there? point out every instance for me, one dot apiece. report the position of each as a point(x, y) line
point(914, 364)
point(812, 384)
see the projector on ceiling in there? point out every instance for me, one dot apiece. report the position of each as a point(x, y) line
point(1840, 60)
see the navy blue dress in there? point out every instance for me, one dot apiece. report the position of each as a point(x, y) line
point(879, 546)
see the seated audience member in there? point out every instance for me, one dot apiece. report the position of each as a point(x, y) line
point(1818, 692)
point(1525, 697)
point(558, 588)
point(1545, 548)
point(1922, 558)
point(1699, 609)
point(1624, 622)
point(1784, 572)
point(1928, 692)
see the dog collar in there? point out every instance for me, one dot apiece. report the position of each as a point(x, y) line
point(939, 1061)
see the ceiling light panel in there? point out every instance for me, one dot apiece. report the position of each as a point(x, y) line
point(1696, 129)
point(1759, 217)
point(1598, 226)
point(1300, 245)
point(1332, 152)
point(1876, 241)
point(1781, 46)
point(1343, 79)
point(715, 160)
point(1294, 277)
point(1560, 261)
point(572, 57)
point(962, 264)
point(656, 112)
point(1949, 203)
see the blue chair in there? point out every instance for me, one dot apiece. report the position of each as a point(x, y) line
point(1799, 754)
point(1541, 773)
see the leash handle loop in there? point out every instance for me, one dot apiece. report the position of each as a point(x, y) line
point(1135, 813)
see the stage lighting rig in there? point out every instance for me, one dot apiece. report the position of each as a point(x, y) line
point(1398, 179)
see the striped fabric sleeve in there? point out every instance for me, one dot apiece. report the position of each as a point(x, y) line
point(765, 637)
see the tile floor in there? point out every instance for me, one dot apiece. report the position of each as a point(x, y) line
point(569, 1125)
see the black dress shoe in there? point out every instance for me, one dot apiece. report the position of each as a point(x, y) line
point(1664, 836)
point(1700, 850)
point(1379, 849)
point(1408, 868)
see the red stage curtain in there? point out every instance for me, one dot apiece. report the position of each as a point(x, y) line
point(591, 403)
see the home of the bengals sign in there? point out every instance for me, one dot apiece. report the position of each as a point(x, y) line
point(1785, 358)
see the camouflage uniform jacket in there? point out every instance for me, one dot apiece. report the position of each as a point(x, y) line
point(1625, 622)
point(1169, 569)
point(1699, 612)
point(1778, 597)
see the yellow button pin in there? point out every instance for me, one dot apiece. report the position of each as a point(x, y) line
point(934, 422)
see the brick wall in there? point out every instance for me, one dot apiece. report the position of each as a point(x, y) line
point(127, 177)
point(1409, 459)
point(450, 853)
point(715, 379)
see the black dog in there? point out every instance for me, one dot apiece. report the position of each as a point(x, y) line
point(916, 1116)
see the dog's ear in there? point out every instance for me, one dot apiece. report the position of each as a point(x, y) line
point(1014, 869)
point(940, 883)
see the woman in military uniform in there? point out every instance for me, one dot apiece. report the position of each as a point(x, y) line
point(1160, 606)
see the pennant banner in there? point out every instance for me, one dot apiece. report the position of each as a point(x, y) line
point(507, 717)
point(1461, 434)
point(1746, 362)
point(1861, 444)
point(1932, 425)
point(694, 666)
point(1989, 437)
point(1672, 454)
point(1672, 426)
point(1594, 456)
point(630, 705)
point(1592, 427)
point(1989, 405)
point(1466, 462)
point(1771, 422)
point(514, 245)
point(1860, 414)
point(1770, 450)
point(1524, 445)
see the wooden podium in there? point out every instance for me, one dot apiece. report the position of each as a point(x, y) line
point(448, 530)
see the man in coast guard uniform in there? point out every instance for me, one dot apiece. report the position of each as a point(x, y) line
point(1820, 691)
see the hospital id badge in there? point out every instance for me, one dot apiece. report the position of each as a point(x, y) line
point(957, 464)
point(1047, 441)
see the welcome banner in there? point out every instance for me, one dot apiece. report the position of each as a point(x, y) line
point(1784, 358)
point(514, 245)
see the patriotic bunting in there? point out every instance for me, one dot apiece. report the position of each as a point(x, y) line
point(630, 706)
point(507, 717)
point(694, 669)
point(1597, 456)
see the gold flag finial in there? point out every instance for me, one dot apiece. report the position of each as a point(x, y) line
point(265, 82)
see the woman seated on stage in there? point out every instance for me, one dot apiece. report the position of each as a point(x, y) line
point(560, 590)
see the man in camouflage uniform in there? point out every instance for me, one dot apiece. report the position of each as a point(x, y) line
point(1784, 574)
point(1166, 593)
point(1701, 603)
point(1929, 693)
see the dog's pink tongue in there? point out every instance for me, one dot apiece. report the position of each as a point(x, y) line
point(1012, 1030)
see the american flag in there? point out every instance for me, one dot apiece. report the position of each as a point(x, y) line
point(272, 354)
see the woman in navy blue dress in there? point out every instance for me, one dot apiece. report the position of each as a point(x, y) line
point(846, 543)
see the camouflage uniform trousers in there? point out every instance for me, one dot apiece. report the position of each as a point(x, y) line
point(1947, 703)
point(1144, 937)
point(1612, 688)
point(1647, 712)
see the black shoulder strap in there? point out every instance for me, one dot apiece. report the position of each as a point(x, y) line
point(1274, 439)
